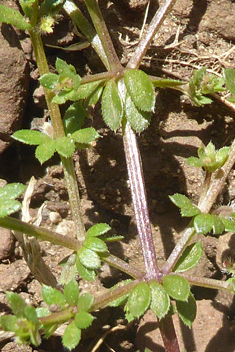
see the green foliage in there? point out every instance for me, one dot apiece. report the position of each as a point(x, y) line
point(89, 258)
point(72, 336)
point(189, 258)
point(83, 320)
point(176, 286)
point(51, 7)
point(139, 120)
point(160, 300)
point(11, 16)
point(122, 300)
point(73, 118)
point(8, 195)
point(53, 296)
point(85, 272)
point(187, 209)
point(85, 302)
point(98, 230)
point(205, 223)
point(229, 78)
point(71, 293)
point(138, 301)
point(210, 159)
point(168, 83)
point(187, 310)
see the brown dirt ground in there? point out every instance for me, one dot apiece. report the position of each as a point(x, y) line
point(206, 36)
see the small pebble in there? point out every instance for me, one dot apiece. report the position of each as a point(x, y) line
point(54, 217)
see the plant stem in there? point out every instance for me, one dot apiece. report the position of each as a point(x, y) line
point(118, 263)
point(209, 283)
point(59, 317)
point(102, 31)
point(145, 42)
point(167, 330)
point(135, 172)
point(55, 116)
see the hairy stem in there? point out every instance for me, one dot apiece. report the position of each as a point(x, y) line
point(209, 283)
point(167, 330)
point(145, 42)
point(135, 172)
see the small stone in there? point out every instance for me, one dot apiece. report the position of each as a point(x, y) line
point(54, 217)
point(7, 242)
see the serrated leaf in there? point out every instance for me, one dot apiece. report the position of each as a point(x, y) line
point(72, 336)
point(140, 88)
point(11, 191)
point(30, 137)
point(187, 310)
point(11, 16)
point(71, 292)
point(8, 207)
point(228, 224)
point(85, 302)
point(64, 146)
point(229, 78)
point(95, 96)
point(111, 104)
point(193, 161)
point(98, 230)
point(139, 300)
point(186, 207)
point(74, 118)
point(65, 70)
point(31, 315)
point(176, 286)
point(49, 80)
point(16, 303)
point(45, 150)
point(8, 322)
point(53, 296)
point(69, 269)
point(122, 300)
point(203, 223)
point(63, 96)
point(83, 320)
point(89, 259)
point(85, 136)
point(95, 244)
point(139, 119)
point(189, 258)
point(86, 90)
point(160, 301)
point(85, 273)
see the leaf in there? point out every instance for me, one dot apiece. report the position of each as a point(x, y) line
point(11, 16)
point(45, 150)
point(187, 310)
point(203, 223)
point(167, 83)
point(8, 207)
point(229, 78)
point(228, 224)
point(122, 300)
point(30, 137)
point(65, 70)
point(30, 314)
point(95, 244)
point(85, 136)
point(95, 96)
point(187, 209)
point(16, 303)
point(218, 226)
point(11, 191)
point(74, 118)
point(53, 296)
point(85, 273)
point(140, 88)
point(111, 104)
point(189, 258)
point(49, 80)
point(193, 161)
point(138, 300)
point(50, 7)
point(139, 119)
point(176, 287)
point(72, 336)
point(8, 322)
point(160, 301)
point(83, 320)
point(71, 292)
point(98, 230)
point(64, 146)
point(86, 90)
point(85, 302)
point(89, 258)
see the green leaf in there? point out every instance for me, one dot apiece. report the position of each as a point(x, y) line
point(218, 226)
point(112, 108)
point(140, 88)
point(16, 303)
point(89, 259)
point(86, 90)
point(85, 302)
point(85, 273)
point(11, 191)
point(8, 207)
point(122, 300)
point(95, 244)
point(189, 258)
point(83, 320)
point(71, 292)
point(8, 322)
point(176, 287)
point(69, 269)
point(203, 223)
point(98, 230)
point(85, 136)
point(139, 300)
point(167, 83)
point(229, 78)
point(30, 137)
point(45, 150)
point(187, 310)
point(50, 7)
point(74, 118)
point(72, 336)
point(31, 315)
point(193, 161)
point(11, 16)
point(228, 224)
point(49, 80)
point(139, 119)
point(186, 207)
point(64, 146)
point(95, 96)
point(160, 301)
point(65, 70)
point(53, 296)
